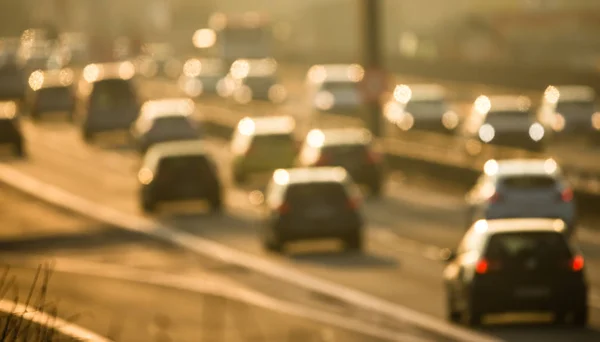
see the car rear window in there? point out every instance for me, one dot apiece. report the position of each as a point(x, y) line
point(113, 93)
point(431, 106)
point(184, 165)
point(509, 116)
point(54, 93)
point(519, 246)
point(528, 182)
point(579, 108)
point(265, 141)
point(355, 152)
point(174, 125)
point(308, 193)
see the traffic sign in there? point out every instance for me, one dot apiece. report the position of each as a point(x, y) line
point(374, 84)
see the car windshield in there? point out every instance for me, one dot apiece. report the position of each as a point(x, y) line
point(528, 182)
point(178, 166)
point(270, 141)
point(581, 108)
point(515, 247)
point(346, 153)
point(433, 106)
point(109, 93)
point(339, 86)
point(54, 94)
point(307, 194)
point(500, 117)
point(174, 125)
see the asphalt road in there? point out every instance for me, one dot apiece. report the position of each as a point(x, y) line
point(398, 265)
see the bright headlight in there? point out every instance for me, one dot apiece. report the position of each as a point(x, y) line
point(324, 100)
point(450, 120)
point(558, 124)
point(487, 133)
point(536, 132)
point(277, 93)
point(406, 122)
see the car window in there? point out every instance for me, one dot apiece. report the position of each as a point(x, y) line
point(528, 182)
point(519, 246)
point(579, 108)
point(174, 125)
point(310, 193)
point(432, 106)
point(508, 116)
point(110, 93)
point(54, 93)
point(176, 166)
point(342, 153)
point(273, 140)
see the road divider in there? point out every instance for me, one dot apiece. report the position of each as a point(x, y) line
point(48, 321)
point(214, 250)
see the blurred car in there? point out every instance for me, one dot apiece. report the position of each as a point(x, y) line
point(517, 188)
point(503, 120)
point(253, 79)
point(262, 145)
point(51, 91)
point(312, 203)
point(10, 128)
point(12, 79)
point(34, 56)
point(179, 170)
point(107, 98)
point(516, 265)
point(75, 47)
point(158, 60)
point(165, 120)
point(201, 76)
point(335, 88)
point(570, 110)
point(350, 148)
point(421, 107)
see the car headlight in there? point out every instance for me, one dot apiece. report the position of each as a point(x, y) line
point(243, 94)
point(596, 121)
point(191, 86)
point(407, 121)
point(450, 120)
point(487, 133)
point(536, 131)
point(558, 122)
point(324, 100)
point(277, 93)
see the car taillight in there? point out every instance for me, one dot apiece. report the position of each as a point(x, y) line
point(373, 158)
point(577, 263)
point(496, 197)
point(353, 203)
point(482, 266)
point(323, 160)
point(284, 208)
point(566, 195)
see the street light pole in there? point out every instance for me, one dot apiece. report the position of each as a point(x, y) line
point(372, 60)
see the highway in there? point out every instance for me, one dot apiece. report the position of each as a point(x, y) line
point(404, 236)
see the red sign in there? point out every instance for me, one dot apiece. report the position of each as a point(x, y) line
point(374, 84)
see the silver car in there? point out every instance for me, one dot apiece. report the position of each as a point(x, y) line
point(519, 189)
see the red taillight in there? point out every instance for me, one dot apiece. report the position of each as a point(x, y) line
point(577, 263)
point(373, 158)
point(482, 266)
point(566, 195)
point(354, 203)
point(323, 160)
point(284, 208)
point(496, 197)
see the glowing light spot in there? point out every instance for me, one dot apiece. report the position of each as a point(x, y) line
point(536, 132)
point(246, 126)
point(481, 226)
point(550, 166)
point(402, 93)
point(324, 100)
point(36, 80)
point(204, 38)
point(315, 138)
point(192, 68)
point(281, 177)
point(491, 167)
point(487, 133)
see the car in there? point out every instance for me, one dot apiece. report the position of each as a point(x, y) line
point(514, 188)
point(201, 76)
point(312, 203)
point(516, 265)
point(179, 170)
point(107, 99)
point(34, 56)
point(570, 109)
point(261, 145)
point(420, 107)
point(503, 120)
point(12, 80)
point(51, 91)
point(10, 128)
point(350, 148)
point(165, 120)
point(253, 79)
point(158, 60)
point(335, 88)
point(75, 45)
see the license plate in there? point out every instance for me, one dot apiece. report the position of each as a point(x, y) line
point(532, 292)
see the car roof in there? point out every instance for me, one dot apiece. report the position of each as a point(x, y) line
point(517, 225)
point(174, 149)
point(499, 103)
point(266, 125)
point(566, 93)
point(98, 72)
point(325, 174)
point(8, 110)
point(521, 167)
point(339, 136)
point(168, 107)
point(323, 73)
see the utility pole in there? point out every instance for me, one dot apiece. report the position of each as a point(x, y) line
point(375, 79)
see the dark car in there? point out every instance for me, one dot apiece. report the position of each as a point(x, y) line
point(108, 99)
point(163, 121)
point(51, 91)
point(349, 148)
point(10, 128)
point(175, 171)
point(516, 265)
point(312, 203)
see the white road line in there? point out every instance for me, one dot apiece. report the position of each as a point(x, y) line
point(46, 320)
point(219, 286)
point(212, 249)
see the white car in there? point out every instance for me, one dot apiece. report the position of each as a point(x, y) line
point(334, 87)
point(253, 79)
point(570, 109)
point(521, 188)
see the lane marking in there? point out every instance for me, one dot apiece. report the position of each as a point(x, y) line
point(69, 329)
point(219, 286)
point(212, 249)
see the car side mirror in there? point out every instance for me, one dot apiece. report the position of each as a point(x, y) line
point(447, 255)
